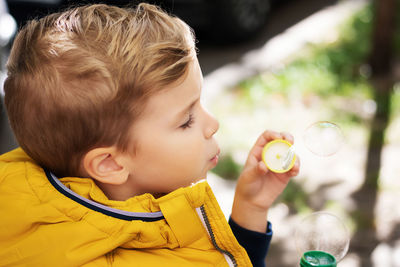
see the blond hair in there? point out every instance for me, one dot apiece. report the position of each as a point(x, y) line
point(78, 79)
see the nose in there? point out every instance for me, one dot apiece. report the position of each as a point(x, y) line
point(212, 125)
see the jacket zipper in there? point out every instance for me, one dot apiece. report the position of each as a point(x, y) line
point(228, 256)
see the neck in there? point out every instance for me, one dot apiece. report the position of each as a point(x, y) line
point(120, 192)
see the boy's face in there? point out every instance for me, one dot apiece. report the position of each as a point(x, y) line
point(174, 138)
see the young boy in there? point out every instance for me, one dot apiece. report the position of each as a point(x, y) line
point(115, 144)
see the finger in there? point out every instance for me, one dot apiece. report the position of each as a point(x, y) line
point(262, 168)
point(254, 172)
point(271, 135)
point(296, 167)
point(288, 137)
point(267, 136)
point(263, 139)
point(283, 177)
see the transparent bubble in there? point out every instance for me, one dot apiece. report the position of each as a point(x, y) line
point(322, 232)
point(323, 138)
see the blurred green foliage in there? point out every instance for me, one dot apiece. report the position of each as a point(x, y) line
point(295, 197)
point(227, 168)
point(339, 67)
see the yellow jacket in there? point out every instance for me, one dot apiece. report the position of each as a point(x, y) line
point(47, 221)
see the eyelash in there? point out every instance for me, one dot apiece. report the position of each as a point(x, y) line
point(188, 123)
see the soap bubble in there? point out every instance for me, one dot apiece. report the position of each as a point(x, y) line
point(322, 234)
point(323, 138)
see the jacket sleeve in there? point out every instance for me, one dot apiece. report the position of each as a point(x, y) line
point(256, 244)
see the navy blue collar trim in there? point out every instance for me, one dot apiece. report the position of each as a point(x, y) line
point(116, 213)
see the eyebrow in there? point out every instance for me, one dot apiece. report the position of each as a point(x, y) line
point(186, 109)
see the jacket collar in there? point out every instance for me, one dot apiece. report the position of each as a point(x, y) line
point(113, 212)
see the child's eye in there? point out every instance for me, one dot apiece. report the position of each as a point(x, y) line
point(188, 123)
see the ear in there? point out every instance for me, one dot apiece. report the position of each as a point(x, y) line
point(105, 165)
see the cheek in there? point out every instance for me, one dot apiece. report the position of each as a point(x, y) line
point(162, 153)
point(183, 150)
point(193, 148)
point(186, 158)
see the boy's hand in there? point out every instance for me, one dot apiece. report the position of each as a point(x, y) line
point(258, 187)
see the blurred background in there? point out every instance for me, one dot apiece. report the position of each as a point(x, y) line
point(285, 66)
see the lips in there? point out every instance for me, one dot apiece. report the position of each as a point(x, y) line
point(216, 154)
point(214, 159)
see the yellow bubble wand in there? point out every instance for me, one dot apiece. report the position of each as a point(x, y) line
point(279, 155)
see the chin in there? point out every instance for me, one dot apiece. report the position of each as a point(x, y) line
point(204, 178)
point(158, 195)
